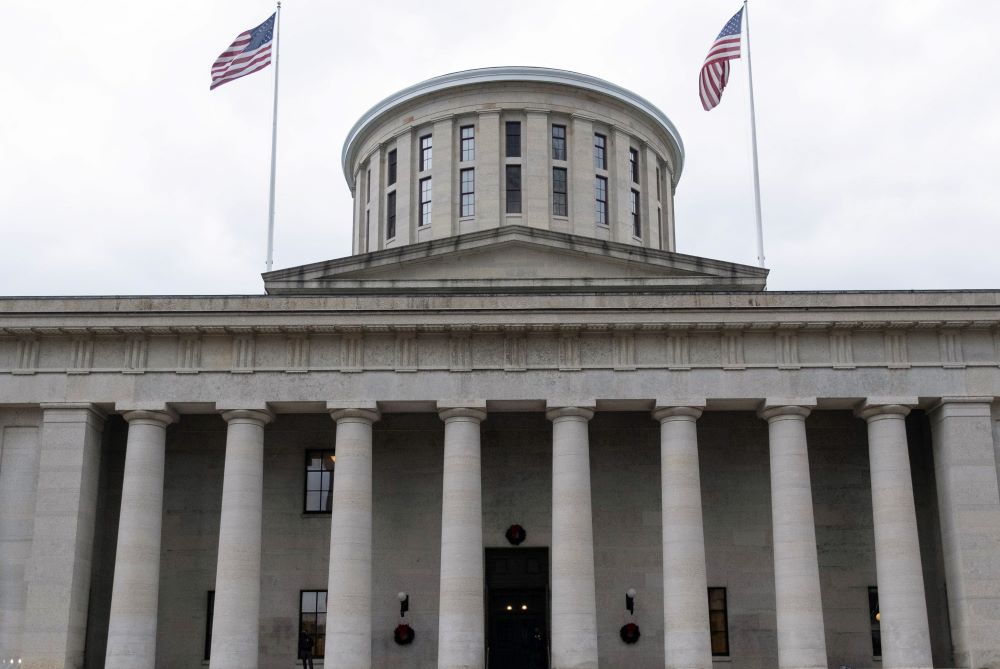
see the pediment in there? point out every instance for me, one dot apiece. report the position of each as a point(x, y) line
point(515, 258)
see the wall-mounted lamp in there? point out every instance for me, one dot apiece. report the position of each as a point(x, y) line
point(404, 603)
point(630, 600)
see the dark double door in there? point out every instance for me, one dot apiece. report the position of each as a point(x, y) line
point(517, 608)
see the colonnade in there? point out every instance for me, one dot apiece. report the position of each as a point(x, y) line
point(461, 641)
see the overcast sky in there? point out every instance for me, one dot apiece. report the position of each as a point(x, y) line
point(120, 173)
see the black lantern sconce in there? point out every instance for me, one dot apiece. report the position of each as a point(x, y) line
point(404, 634)
point(629, 632)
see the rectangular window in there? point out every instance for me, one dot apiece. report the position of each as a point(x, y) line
point(657, 184)
point(468, 143)
point(718, 621)
point(633, 203)
point(600, 152)
point(425, 201)
point(319, 481)
point(368, 186)
point(390, 215)
point(368, 229)
point(392, 167)
point(633, 164)
point(513, 189)
point(601, 200)
point(425, 153)
point(209, 617)
point(468, 190)
point(558, 142)
point(659, 222)
point(513, 139)
point(874, 620)
point(312, 619)
point(559, 199)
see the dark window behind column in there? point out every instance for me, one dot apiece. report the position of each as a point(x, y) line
point(600, 152)
point(513, 139)
point(319, 481)
point(558, 142)
point(718, 621)
point(468, 192)
point(390, 215)
point(633, 202)
point(559, 199)
point(312, 619)
point(425, 201)
point(392, 167)
point(633, 164)
point(426, 153)
point(874, 620)
point(513, 189)
point(601, 200)
point(468, 143)
point(209, 617)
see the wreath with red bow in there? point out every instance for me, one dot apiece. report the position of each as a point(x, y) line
point(403, 635)
point(515, 535)
point(629, 632)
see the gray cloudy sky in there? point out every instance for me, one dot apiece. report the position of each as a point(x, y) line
point(120, 173)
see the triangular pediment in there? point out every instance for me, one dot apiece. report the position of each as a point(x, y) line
point(515, 258)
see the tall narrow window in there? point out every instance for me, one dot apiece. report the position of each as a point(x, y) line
point(390, 215)
point(468, 190)
point(425, 153)
point(657, 184)
point(513, 139)
point(875, 620)
point(319, 481)
point(633, 203)
point(513, 189)
point(368, 229)
point(209, 619)
point(601, 200)
point(718, 621)
point(558, 142)
point(659, 222)
point(633, 164)
point(468, 143)
point(391, 178)
point(600, 152)
point(312, 619)
point(368, 186)
point(425, 201)
point(559, 199)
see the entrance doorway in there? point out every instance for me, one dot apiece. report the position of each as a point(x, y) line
point(517, 582)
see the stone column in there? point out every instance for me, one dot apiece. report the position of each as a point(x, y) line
point(18, 477)
point(799, 607)
point(135, 593)
point(687, 640)
point(55, 620)
point(969, 507)
point(903, 608)
point(536, 170)
point(461, 627)
point(236, 618)
point(574, 599)
point(488, 164)
point(349, 588)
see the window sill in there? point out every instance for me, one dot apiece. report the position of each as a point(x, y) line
point(722, 658)
point(560, 218)
point(465, 219)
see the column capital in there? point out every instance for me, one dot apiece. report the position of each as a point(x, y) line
point(260, 417)
point(680, 411)
point(158, 417)
point(964, 407)
point(877, 408)
point(462, 413)
point(563, 412)
point(62, 412)
point(354, 414)
point(786, 409)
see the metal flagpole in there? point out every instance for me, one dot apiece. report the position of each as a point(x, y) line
point(753, 141)
point(274, 141)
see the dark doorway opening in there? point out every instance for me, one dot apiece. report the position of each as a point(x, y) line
point(517, 616)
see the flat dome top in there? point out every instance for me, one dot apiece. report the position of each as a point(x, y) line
point(512, 73)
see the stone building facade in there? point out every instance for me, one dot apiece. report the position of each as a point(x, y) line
point(516, 403)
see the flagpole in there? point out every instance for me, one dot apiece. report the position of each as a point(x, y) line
point(274, 140)
point(753, 141)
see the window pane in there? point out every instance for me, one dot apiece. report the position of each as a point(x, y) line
point(558, 142)
point(314, 480)
point(313, 501)
point(315, 460)
point(308, 601)
point(720, 644)
point(392, 167)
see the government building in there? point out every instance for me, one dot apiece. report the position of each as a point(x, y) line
point(515, 429)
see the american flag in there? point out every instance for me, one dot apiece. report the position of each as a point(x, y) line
point(249, 52)
point(715, 69)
